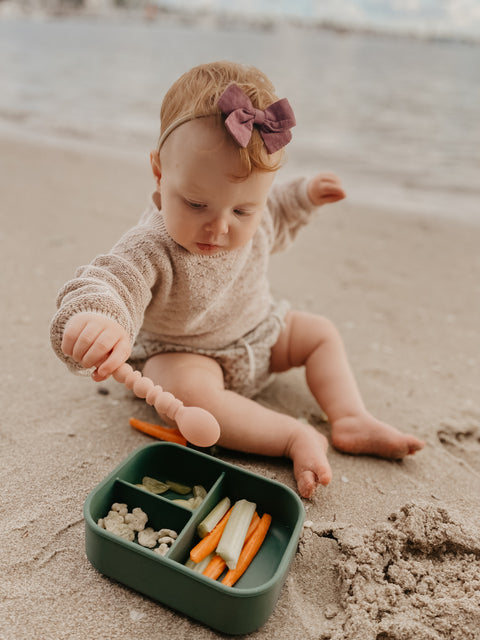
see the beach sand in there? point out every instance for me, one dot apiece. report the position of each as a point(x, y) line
point(390, 549)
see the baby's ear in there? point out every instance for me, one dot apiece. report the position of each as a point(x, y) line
point(156, 166)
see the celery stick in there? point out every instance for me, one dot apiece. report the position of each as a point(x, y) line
point(214, 517)
point(199, 567)
point(233, 537)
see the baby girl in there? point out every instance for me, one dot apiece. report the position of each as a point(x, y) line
point(184, 294)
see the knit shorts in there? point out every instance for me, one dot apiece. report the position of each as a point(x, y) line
point(245, 362)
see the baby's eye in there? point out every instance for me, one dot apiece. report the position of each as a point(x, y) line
point(194, 205)
point(241, 212)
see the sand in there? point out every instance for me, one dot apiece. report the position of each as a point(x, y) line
point(390, 550)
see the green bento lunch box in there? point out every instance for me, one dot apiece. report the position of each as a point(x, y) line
point(233, 610)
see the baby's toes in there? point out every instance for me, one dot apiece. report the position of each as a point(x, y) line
point(414, 445)
point(308, 480)
point(306, 484)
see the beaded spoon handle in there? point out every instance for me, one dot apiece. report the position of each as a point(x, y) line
point(197, 425)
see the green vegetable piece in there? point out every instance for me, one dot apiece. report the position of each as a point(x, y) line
point(233, 536)
point(176, 487)
point(154, 486)
point(182, 503)
point(199, 491)
point(199, 567)
point(213, 517)
point(196, 502)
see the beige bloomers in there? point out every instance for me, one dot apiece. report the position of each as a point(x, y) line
point(245, 362)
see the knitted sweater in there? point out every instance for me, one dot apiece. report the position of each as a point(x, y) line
point(148, 282)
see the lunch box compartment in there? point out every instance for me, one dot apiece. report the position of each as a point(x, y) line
point(234, 610)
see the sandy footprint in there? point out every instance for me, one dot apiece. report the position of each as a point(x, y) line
point(462, 442)
point(416, 576)
point(310, 605)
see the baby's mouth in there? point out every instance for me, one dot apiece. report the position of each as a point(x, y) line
point(207, 247)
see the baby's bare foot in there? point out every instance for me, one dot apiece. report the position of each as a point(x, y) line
point(367, 435)
point(308, 451)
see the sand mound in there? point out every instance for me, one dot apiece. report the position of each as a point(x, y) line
point(417, 576)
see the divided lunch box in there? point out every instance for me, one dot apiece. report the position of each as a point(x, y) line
point(233, 610)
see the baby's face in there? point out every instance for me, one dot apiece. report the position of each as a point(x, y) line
point(206, 210)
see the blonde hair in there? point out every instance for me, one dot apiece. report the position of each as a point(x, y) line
point(196, 93)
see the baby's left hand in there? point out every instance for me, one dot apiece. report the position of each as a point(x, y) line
point(324, 188)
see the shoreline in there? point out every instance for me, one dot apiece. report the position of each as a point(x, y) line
point(230, 19)
point(296, 165)
point(404, 292)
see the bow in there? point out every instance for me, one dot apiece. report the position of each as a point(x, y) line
point(273, 123)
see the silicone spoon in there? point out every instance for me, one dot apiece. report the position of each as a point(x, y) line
point(197, 425)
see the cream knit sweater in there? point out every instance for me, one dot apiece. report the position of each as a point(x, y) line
point(148, 282)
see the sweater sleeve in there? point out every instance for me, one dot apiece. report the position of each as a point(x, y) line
point(116, 285)
point(290, 209)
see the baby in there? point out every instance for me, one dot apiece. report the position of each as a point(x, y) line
point(184, 294)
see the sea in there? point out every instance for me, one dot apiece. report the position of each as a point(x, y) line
point(396, 117)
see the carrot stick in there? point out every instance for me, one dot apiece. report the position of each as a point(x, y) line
point(210, 541)
point(157, 431)
point(217, 564)
point(249, 551)
point(253, 525)
point(215, 567)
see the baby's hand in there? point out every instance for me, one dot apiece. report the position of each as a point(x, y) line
point(324, 188)
point(96, 341)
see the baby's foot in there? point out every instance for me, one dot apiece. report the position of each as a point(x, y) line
point(308, 451)
point(366, 435)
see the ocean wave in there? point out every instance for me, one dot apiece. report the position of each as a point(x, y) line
point(228, 18)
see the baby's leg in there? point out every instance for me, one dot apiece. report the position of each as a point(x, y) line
point(245, 425)
point(314, 342)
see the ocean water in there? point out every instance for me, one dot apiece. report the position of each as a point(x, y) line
point(396, 118)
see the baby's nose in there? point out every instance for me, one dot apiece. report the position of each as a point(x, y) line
point(218, 225)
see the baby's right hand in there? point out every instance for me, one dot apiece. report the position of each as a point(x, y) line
point(94, 340)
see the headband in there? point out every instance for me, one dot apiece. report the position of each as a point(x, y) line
point(273, 123)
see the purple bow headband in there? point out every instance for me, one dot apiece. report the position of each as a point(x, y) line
point(273, 123)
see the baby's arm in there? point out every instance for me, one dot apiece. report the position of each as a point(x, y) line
point(94, 340)
point(291, 205)
point(325, 188)
point(114, 288)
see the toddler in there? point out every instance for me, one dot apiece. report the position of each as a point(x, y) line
point(184, 294)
